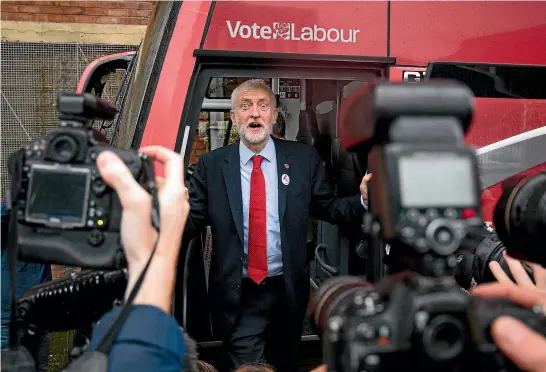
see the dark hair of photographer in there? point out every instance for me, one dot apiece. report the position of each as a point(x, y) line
point(256, 367)
point(205, 367)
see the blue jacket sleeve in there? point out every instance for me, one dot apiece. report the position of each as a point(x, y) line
point(150, 340)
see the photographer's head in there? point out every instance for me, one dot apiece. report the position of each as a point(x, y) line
point(255, 367)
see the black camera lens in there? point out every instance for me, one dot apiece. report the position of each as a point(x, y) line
point(520, 218)
point(443, 338)
point(63, 148)
point(491, 249)
point(332, 295)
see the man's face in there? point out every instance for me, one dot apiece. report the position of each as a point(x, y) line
point(254, 114)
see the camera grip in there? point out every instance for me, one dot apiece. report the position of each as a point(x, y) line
point(483, 312)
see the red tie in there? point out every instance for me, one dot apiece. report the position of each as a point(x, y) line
point(257, 226)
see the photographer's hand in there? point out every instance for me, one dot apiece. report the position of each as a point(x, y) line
point(522, 345)
point(518, 272)
point(137, 233)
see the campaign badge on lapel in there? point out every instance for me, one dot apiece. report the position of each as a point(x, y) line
point(285, 179)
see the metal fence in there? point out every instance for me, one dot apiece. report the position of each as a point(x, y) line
point(31, 76)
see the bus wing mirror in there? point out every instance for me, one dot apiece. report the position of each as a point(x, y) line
point(97, 74)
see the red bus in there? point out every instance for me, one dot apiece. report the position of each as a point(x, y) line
point(179, 81)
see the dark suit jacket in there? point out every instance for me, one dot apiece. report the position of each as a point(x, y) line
point(216, 200)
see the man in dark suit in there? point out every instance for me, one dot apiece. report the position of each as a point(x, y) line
point(257, 195)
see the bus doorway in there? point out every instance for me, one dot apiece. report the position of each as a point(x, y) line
point(309, 108)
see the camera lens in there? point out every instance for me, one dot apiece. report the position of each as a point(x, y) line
point(63, 149)
point(520, 218)
point(443, 338)
point(332, 295)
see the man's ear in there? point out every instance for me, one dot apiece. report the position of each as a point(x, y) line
point(232, 116)
point(275, 115)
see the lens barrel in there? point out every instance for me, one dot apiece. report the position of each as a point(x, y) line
point(520, 218)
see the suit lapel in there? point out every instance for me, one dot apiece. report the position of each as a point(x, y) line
point(232, 178)
point(283, 174)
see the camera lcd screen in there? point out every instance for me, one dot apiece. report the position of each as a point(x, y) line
point(436, 180)
point(58, 196)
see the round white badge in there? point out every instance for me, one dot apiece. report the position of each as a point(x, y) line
point(285, 179)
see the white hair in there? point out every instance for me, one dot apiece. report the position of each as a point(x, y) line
point(253, 84)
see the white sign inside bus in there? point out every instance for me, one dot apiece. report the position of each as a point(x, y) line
point(413, 76)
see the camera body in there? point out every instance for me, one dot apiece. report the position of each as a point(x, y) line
point(425, 185)
point(425, 201)
point(407, 320)
point(429, 193)
point(65, 212)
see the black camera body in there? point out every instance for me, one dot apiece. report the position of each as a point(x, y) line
point(411, 321)
point(429, 215)
point(425, 185)
point(425, 201)
point(65, 212)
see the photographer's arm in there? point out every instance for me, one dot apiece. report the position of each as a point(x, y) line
point(150, 338)
point(525, 347)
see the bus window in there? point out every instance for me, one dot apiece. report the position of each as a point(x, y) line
point(212, 133)
point(495, 81)
point(508, 123)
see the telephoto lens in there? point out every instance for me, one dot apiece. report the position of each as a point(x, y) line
point(520, 218)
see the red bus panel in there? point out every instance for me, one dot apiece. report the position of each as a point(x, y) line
point(477, 31)
point(334, 27)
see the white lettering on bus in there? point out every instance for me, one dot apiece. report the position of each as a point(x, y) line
point(289, 31)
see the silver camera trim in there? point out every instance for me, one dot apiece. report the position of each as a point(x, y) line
point(59, 168)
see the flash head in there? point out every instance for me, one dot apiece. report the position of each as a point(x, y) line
point(84, 107)
point(370, 114)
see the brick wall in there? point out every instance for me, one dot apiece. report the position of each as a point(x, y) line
point(102, 12)
point(197, 150)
